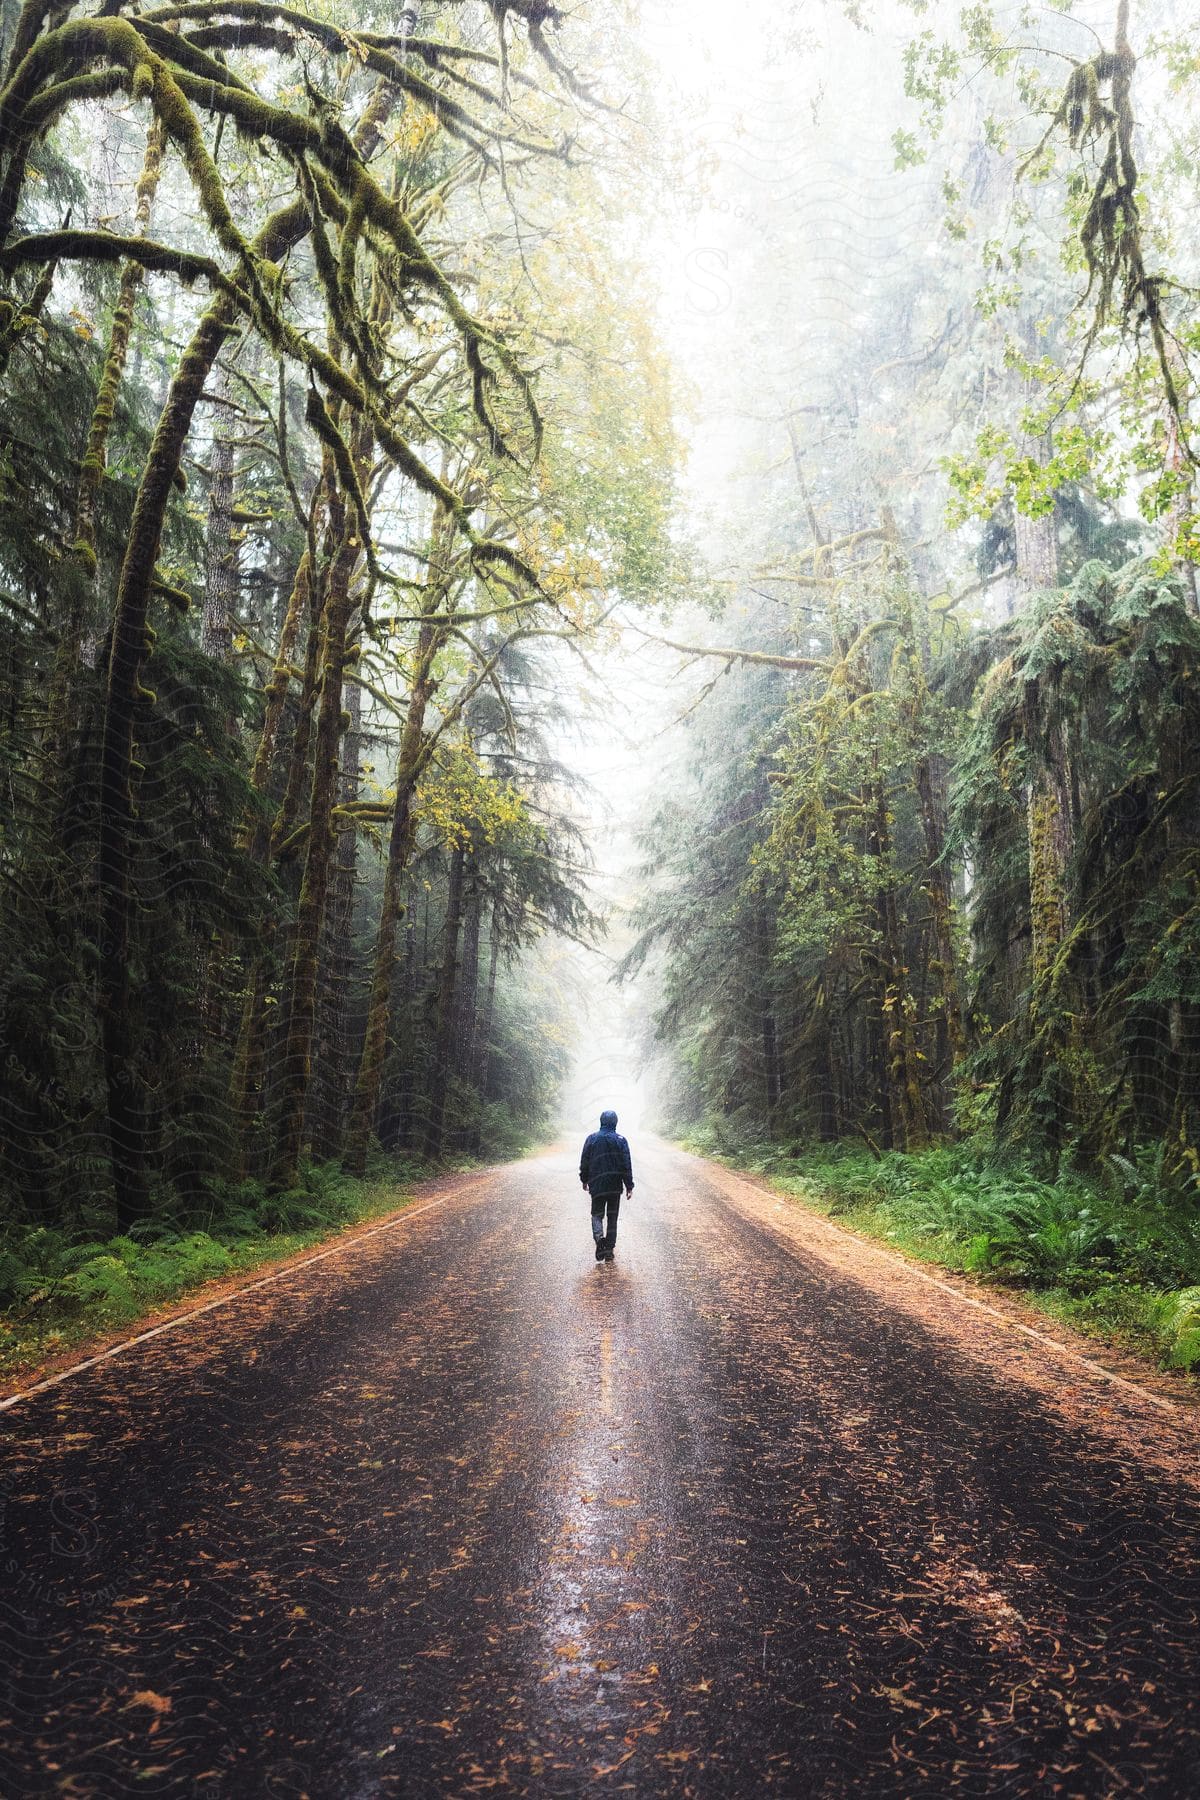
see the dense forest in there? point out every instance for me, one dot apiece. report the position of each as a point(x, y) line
point(927, 872)
point(348, 409)
point(943, 867)
point(326, 436)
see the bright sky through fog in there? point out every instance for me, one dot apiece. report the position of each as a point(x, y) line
point(736, 99)
point(710, 72)
point(776, 122)
point(700, 42)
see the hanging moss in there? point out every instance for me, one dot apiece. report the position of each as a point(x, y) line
point(1046, 891)
point(339, 296)
point(1110, 235)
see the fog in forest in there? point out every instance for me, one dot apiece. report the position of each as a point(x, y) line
point(644, 557)
point(810, 267)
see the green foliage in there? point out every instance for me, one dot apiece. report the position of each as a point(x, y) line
point(801, 913)
point(1093, 689)
point(326, 1200)
point(706, 922)
point(983, 789)
point(737, 1136)
point(1077, 270)
point(111, 1282)
point(1177, 1318)
point(1001, 466)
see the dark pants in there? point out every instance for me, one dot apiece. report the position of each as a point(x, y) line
point(599, 1203)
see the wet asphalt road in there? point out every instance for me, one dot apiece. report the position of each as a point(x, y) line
point(460, 1511)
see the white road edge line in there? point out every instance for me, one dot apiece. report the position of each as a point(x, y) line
point(900, 1262)
point(401, 1218)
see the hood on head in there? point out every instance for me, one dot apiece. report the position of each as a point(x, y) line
point(608, 1121)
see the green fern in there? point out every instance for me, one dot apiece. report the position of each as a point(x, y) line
point(1178, 1319)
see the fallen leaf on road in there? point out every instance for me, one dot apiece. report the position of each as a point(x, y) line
point(899, 1698)
point(158, 1703)
point(611, 1768)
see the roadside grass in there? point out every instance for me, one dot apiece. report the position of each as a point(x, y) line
point(1116, 1256)
point(60, 1290)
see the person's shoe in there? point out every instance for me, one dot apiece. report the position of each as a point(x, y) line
point(608, 1255)
point(599, 1252)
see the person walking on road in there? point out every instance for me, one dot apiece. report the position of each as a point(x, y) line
point(604, 1169)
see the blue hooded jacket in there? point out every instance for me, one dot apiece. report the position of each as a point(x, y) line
point(605, 1166)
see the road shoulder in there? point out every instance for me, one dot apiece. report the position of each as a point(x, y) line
point(1089, 1379)
point(25, 1374)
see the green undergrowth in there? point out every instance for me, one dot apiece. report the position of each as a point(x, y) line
point(1116, 1254)
point(59, 1289)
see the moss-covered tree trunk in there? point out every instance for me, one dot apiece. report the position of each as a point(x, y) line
point(416, 747)
point(1049, 839)
point(447, 991)
point(130, 1138)
point(249, 1065)
point(933, 799)
point(1036, 538)
point(261, 837)
point(467, 1011)
point(1055, 1005)
point(1050, 833)
point(131, 1132)
point(276, 691)
point(333, 1072)
point(481, 1050)
point(296, 768)
point(265, 837)
point(1179, 519)
point(765, 1000)
point(300, 996)
point(395, 1115)
point(81, 571)
point(468, 1005)
point(222, 541)
point(827, 1096)
point(869, 1054)
point(906, 1101)
point(411, 762)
